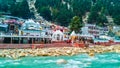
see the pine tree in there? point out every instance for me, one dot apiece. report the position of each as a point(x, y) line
point(21, 10)
point(76, 24)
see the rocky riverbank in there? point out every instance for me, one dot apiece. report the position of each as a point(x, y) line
point(58, 51)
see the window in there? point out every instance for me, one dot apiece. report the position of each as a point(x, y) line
point(12, 27)
point(58, 37)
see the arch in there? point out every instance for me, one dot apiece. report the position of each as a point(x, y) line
point(58, 36)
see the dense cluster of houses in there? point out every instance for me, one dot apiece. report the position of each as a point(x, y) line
point(18, 30)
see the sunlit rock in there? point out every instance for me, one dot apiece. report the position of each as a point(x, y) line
point(61, 61)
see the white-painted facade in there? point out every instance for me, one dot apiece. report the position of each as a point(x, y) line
point(58, 36)
point(92, 29)
point(116, 28)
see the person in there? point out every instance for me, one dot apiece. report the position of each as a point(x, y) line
point(72, 39)
point(81, 41)
point(76, 44)
point(86, 43)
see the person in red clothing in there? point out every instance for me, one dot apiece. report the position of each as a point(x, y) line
point(76, 44)
point(81, 44)
point(86, 43)
point(73, 38)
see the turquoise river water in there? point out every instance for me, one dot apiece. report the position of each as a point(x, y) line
point(106, 60)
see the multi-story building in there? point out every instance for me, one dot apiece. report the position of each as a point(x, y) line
point(116, 30)
point(103, 30)
point(31, 28)
point(92, 29)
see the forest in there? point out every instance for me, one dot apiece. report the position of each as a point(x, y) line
point(62, 11)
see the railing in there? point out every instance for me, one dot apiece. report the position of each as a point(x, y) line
point(25, 46)
point(9, 46)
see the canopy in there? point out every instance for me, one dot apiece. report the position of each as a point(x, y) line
point(105, 37)
point(4, 25)
point(30, 24)
point(58, 32)
point(58, 36)
point(86, 35)
point(73, 33)
point(29, 21)
point(12, 21)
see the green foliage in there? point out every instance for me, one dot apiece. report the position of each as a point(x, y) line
point(110, 33)
point(117, 19)
point(64, 17)
point(21, 9)
point(80, 8)
point(76, 24)
point(54, 13)
point(93, 16)
point(102, 18)
point(58, 11)
point(98, 18)
point(45, 12)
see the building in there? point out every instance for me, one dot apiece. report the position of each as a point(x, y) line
point(94, 30)
point(3, 28)
point(31, 28)
point(103, 30)
point(91, 29)
point(116, 30)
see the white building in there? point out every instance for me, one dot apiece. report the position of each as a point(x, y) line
point(90, 29)
point(31, 28)
point(58, 36)
point(116, 28)
point(103, 30)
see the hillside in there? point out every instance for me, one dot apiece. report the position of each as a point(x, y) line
point(99, 12)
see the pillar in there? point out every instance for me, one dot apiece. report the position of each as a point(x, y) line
point(11, 40)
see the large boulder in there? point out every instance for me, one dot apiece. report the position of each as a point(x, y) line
point(61, 61)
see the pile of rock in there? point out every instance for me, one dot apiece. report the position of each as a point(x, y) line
point(60, 51)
